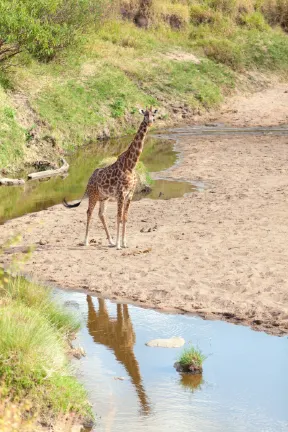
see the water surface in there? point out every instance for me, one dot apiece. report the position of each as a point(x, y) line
point(244, 385)
point(158, 155)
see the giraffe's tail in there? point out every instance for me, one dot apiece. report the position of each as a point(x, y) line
point(66, 204)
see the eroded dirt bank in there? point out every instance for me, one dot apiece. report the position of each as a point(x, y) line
point(220, 253)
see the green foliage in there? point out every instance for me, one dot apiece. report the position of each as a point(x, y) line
point(110, 71)
point(191, 356)
point(118, 108)
point(33, 346)
point(223, 51)
point(255, 20)
point(5, 82)
point(12, 136)
point(200, 14)
point(43, 26)
point(36, 297)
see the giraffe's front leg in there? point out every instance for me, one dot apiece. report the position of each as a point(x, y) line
point(125, 217)
point(120, 208)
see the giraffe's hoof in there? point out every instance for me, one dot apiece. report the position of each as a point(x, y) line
point(112, 244)
point(125, 246)
point(118, 248)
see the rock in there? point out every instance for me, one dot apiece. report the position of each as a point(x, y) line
point(190, 369)
point(72, 303)
point(88, 423)
point(78, 352)
point(173, 342)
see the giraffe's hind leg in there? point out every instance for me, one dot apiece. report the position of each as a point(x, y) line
point(125, 217)
point(120, 209)
point(102, 218)
point(92, 202)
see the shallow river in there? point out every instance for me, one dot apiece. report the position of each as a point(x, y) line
point(244, 385)
point(135, 388)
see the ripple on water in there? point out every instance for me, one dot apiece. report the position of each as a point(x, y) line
point(239, 391)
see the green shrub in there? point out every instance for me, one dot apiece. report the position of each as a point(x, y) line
point(200, 14)
point(42, 27)
point(223, 51)
point(255, 21)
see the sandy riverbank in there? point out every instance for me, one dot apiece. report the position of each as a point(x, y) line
point(221, 253)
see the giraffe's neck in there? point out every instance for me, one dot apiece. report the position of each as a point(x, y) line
point(134, 151)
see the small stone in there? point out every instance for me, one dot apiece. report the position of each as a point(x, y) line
point(174, 342)
point(43, 242)
point(78, 352)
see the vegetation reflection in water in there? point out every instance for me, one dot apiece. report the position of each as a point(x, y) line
point(135, 387)
point(34, 196)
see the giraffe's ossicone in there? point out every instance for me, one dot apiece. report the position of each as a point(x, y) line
point(116, 181)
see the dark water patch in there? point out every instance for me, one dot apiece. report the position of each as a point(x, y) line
point(158, 155)
point(136, 388)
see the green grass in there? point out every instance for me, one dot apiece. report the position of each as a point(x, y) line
point(12, 135)
point(191, 356)
point(33, 350)
point(109, 72)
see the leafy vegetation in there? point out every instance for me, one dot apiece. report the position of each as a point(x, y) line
point(104, 59)
point(191, 356)
point(34, 332)
point(42, 27)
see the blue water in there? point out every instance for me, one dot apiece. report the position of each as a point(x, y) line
point(245, 378)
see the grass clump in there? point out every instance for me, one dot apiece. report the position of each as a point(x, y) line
point(12, 135)
point(191, 356)
point(34, 334)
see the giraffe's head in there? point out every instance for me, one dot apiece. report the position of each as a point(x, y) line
point(149, 115)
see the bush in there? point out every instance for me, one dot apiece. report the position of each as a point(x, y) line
point(42, 27)
point(223, 51)
point(276, 12)
point(255, 21)
point(201, 15)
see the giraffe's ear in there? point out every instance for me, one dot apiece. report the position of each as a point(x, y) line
point(155, 111)
point(141, 111)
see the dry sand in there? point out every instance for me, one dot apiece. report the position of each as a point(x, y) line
point(221, 253)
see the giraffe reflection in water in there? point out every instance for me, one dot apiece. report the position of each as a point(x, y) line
point(118, 335)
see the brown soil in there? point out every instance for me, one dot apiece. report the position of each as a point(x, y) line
point(221, 253)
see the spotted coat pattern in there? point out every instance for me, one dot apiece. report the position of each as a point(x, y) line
point(117, 181)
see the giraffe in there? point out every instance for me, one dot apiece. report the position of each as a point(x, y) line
point(116, 181)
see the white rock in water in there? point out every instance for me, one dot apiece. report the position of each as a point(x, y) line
point(174, 342)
